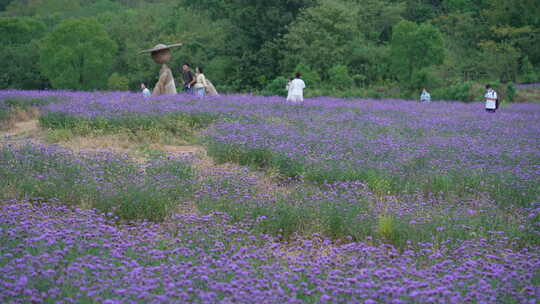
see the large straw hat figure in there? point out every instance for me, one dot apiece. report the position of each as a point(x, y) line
point(161, 54)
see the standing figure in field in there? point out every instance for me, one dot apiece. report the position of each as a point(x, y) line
point(296, 89)
point(161, 54)
point(189, 79)
point(425, 97)
point(200, 84)
point(145, 91)
point(288, 89)
point(491, 99)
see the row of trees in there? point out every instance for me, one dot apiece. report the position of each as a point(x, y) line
point(248, 44)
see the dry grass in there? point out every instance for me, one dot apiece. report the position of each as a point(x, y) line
point(28, 129)
point(529, 95)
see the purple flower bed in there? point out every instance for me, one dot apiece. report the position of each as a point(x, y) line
point(61, 255)
point(393, 145)
point(103, 180)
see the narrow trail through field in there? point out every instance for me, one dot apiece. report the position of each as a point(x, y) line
point(30, 132)
point(23, 131)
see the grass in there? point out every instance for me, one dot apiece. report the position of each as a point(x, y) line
point(351, 211)
point(16, 109)
point(381, 183)
point(143, 128)
point(110, 183)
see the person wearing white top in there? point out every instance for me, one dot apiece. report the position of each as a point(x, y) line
point(288, 89)
point(491, 99)
point(145, 91)
point(296, 89)
point(200, 85)
point(425, 97)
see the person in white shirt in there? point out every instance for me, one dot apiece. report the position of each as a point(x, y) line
point(491, 99)
point(145, 91)
point(296, 89)
point(288, 89)
point(425, 97)
point(200, 85)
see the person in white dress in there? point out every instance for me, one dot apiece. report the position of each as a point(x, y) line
point(296, 89)
point(288, 89)
point(491, 99)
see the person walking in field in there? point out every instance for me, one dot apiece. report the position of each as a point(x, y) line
point(189, 79)
point(491, 99)
point(425, 97)
point(201, 83)
point(296, 89)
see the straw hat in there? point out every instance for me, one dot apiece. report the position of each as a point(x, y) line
point(160, 47)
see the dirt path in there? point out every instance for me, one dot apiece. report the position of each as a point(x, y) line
point(29, 131)
point(24, 131)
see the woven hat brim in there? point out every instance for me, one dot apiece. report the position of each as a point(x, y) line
point(165, 47)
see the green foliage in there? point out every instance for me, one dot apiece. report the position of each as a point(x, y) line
point(510, 92)
point(20, 53)
point(527, 70)
point(415, 47)
point(310, 77)
point(148, 129)
point(339, 77)
point(276, 87)
point(244, 45)
point(77, 54)
point(20, 30)
point(500, 61)
point(117, 82)
point(460, 91)
point(321, 36)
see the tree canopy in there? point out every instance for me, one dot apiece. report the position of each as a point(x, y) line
point(246, 44)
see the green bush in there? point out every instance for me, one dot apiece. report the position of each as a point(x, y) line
point(510, 92)
point(339, 77)
point(310, 77)
point(460, 91)
point(117, 82)
point(276, 87)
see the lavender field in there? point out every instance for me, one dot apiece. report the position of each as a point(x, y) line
point(332, 201)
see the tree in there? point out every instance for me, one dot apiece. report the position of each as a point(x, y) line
point(322, 36)
point(339, 77)
point(20, 30)
point(77, 54)
point(499, 61)
point(117, 82)
point(310, 77)
point(19, 55)
point(377, 17)
point(415, 47)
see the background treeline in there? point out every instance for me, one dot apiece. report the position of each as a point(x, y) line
point(374, 48)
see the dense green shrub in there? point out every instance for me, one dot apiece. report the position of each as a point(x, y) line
point(117, 82)
point(339, 77)
point(459, 91)
point(276, 87)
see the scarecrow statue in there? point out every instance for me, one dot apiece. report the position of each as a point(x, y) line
point(161, 53)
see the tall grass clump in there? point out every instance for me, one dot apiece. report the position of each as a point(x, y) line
point(138, 127)
point(111, 183)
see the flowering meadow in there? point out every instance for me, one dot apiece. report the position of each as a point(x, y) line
point(369, 201)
